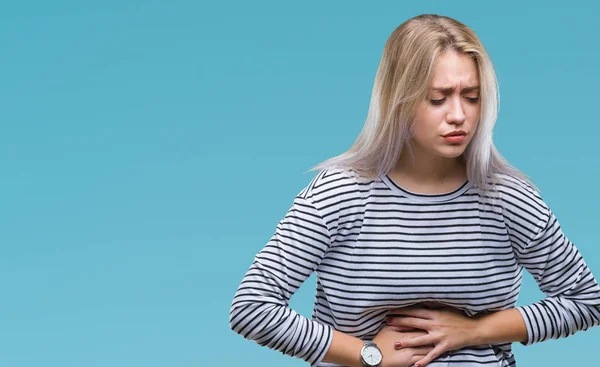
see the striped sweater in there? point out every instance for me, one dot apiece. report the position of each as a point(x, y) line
point(376, 246)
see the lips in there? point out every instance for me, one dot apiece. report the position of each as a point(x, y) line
point(455, 133)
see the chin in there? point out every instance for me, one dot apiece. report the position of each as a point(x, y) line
point(452, 152)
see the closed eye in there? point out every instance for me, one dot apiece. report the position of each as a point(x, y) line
point(437, 102)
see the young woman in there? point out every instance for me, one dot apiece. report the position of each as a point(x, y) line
point(419, 233)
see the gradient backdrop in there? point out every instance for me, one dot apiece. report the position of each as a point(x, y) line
point(149, 148)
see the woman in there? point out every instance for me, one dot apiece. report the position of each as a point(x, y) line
point(419, 233)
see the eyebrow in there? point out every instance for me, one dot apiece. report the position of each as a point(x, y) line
point(448, 90)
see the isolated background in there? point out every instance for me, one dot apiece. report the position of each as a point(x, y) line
point(149, 148)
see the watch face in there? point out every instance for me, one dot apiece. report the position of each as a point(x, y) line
point(371, 355)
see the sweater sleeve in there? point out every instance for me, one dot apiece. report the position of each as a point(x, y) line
point(260, 309)
point(572, 301)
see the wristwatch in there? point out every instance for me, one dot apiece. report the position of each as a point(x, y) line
point(370, 355)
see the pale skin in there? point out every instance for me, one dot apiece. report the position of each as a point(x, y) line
point(424, 333)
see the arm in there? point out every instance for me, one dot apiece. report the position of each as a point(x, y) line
point(499, 327)
point(450, 329)
point(572, 300)
point(344, 350)
point(260, 311)
point(572, 303)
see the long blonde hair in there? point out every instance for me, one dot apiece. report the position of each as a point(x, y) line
point(402, 82)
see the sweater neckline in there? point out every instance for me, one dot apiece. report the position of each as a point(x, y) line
point(425, 197)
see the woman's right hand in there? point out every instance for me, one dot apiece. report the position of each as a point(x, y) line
point(404, 357)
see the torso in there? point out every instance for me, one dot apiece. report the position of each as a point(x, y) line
point(393, 248)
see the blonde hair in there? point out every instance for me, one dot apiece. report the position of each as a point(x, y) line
point(402, 82)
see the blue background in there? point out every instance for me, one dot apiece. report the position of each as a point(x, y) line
point(148, 149)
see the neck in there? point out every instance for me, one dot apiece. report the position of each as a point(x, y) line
point(430, 170)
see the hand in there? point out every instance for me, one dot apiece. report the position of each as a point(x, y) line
point(404, 357)
point(447, 329)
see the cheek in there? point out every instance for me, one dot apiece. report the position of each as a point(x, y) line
point(424, 134)
point(474, 113)
point(428, 124)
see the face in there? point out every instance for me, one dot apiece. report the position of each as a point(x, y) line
point(446, 120)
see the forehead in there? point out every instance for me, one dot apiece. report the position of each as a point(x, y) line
point(454, 69)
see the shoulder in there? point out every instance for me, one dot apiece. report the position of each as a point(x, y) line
point(333, 182)
point(508, 185)
point(333, 189)
point(340, 197)
point(520, 200)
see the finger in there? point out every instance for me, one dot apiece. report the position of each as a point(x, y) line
point(415, 342)
point(416, 358)
point(407, 308)
point(419, 312)
point(412, 322)
point(402, 329)
point(420, 351)
point(435, 352)
point(407, 335)
point(434, 305)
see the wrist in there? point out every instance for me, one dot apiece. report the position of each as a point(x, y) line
point(480, 330)
point(370, 354)
point(506, 326)
point(344, 350)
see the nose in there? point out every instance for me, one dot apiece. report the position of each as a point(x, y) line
point(456, 114)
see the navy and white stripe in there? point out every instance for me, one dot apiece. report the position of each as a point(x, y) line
point(376, 246)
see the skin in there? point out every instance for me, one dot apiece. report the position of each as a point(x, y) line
point(345, 349)
point(435, 167)
point(449, 329)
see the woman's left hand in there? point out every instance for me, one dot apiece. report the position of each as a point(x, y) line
point(447, 329)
